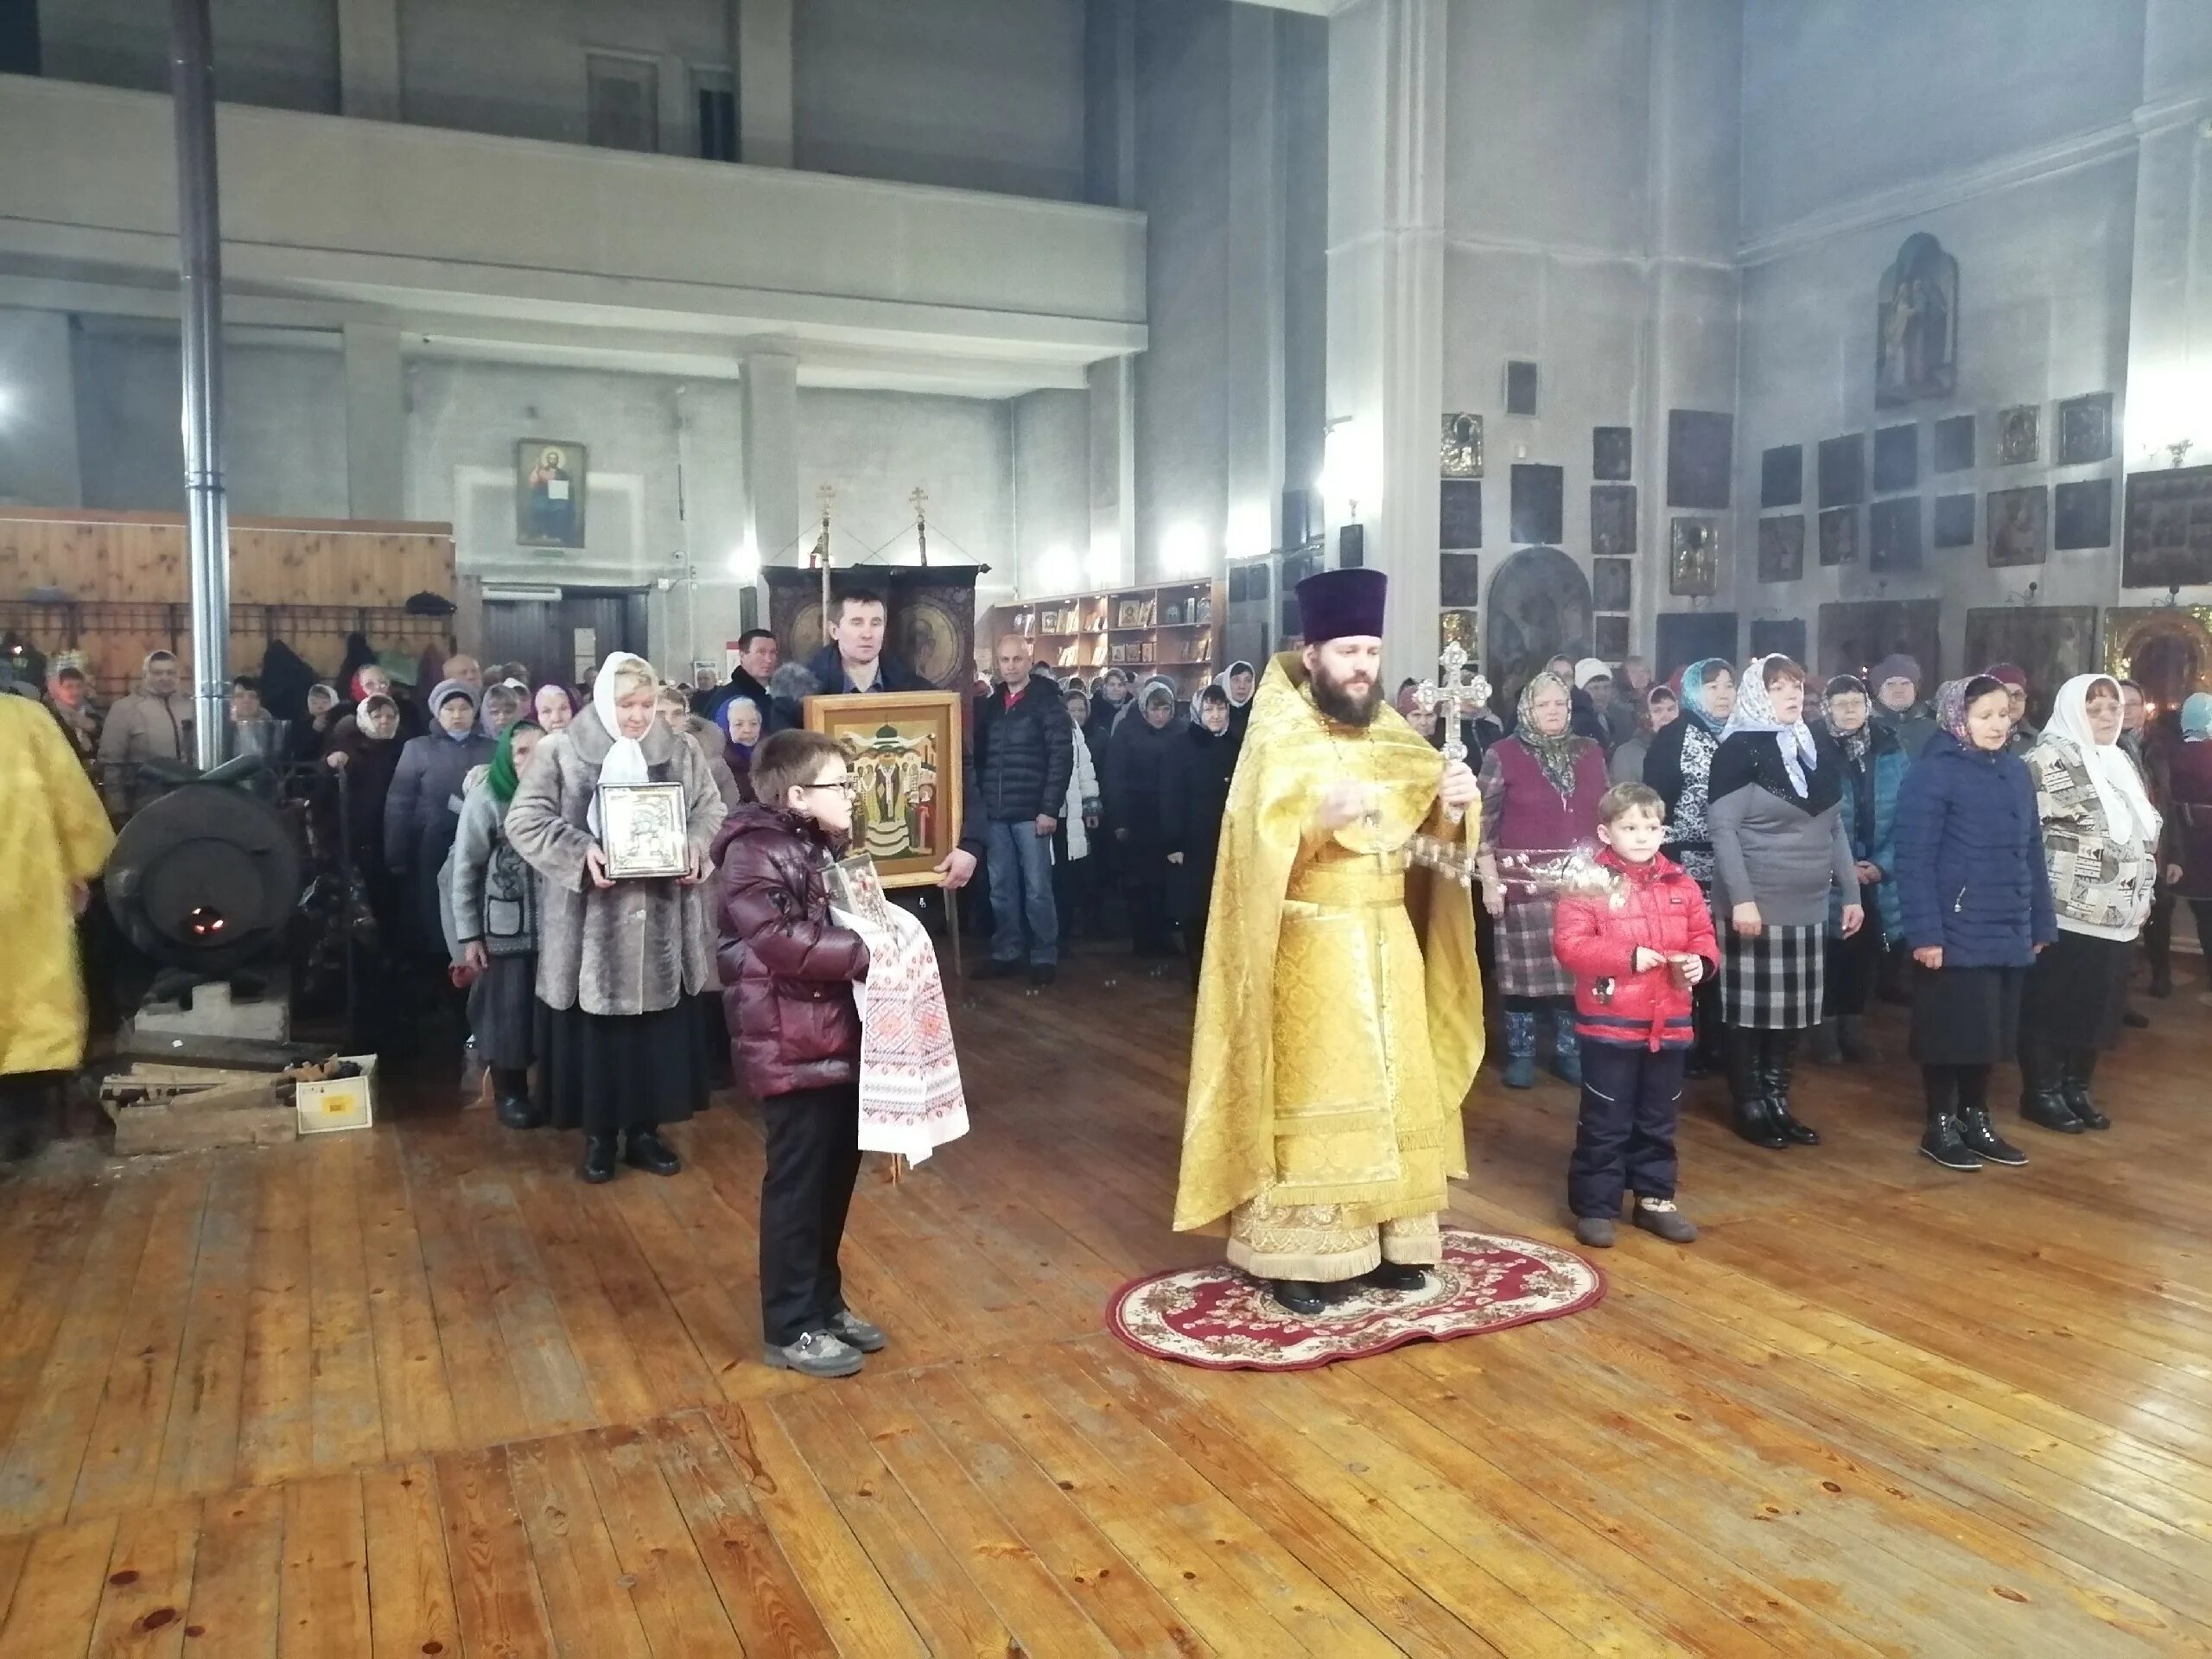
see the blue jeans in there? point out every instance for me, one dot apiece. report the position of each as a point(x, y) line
point(1021, 888)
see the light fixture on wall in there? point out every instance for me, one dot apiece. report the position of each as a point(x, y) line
point(744, 561)
point(1352, 470)
point(1058, 570)
point(1183, 550)
point(1104, 566)
point(1251, 535)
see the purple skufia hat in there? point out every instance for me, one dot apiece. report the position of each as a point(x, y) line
point(1338, 604)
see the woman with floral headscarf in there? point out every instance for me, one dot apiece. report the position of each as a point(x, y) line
point(1679, 765)
point(1780, 847)
point(1975, 905)
point(2100, 838)
point(1540, 789)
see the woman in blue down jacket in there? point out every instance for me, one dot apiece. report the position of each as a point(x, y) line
point(1976, 895)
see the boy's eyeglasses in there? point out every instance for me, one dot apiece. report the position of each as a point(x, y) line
point(850, 787)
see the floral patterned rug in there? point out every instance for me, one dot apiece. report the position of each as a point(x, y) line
point(1216, 1317)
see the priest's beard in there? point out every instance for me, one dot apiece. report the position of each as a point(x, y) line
point(1346, 702)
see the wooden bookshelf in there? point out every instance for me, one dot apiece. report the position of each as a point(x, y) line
point(1171, 630)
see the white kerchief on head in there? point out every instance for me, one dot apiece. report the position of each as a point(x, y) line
point(1755, 713)
point(2112, 771)
point(625, 757)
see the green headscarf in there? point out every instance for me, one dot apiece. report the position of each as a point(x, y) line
point(501, 777)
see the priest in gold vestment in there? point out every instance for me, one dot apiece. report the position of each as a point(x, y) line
point(1339, 1021)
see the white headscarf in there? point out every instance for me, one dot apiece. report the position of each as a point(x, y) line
point(1755, 713)
point(2128, 811)
point(626, 759)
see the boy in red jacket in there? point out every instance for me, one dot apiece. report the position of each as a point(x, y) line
point(1635, 951)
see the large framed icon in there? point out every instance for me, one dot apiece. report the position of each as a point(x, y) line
point(905, 752)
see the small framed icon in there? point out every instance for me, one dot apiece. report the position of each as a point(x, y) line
point(644, 830)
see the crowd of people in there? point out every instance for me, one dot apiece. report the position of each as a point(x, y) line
point(1676, 878)
point(1852, 840)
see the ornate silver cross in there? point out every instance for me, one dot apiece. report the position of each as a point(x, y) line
point(1450, 696)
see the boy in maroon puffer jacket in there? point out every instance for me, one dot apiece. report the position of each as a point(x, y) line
point(788, 972)
point(1636, 952)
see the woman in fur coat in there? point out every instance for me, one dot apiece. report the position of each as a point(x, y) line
point(621, 1051)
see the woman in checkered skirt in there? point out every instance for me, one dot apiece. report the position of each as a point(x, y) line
point(1780, 846)
point(1541, 789)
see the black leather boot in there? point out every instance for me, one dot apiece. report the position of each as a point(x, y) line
point(1942, 1141)
point(1780, 1064)
point(2042, 1100)
point(2075, 1075)
point(1299, 1296)
point(1851, 1036)
point(1751, 1114)
point(645, 1149)
point(1981, 1135)
point(598, 1166)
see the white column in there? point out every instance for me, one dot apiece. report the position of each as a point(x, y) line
point(368, 59)
point(38, 462)
point(775, 517)
point(1111, 558)
point(1386, 283)
point(2169, 312)
point(763, 33)
point(376, 422)
point(1252, 319)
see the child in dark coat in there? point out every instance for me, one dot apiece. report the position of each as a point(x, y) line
point(788, 973)
point(1637, 952)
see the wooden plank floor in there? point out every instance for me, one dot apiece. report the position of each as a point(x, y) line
point(418, 1392)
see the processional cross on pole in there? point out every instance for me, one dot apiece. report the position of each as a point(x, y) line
point(1450, 696)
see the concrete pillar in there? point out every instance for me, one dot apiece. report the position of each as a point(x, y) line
point(1051, 493)
point(1387, 89)
point(1690, 307)
point(39, 465)
point(1252, 319)
point(368, 60)
point(1111, 558)
point(775, 517)
point(376, 422)
point(762, 29)
point(2170, 311)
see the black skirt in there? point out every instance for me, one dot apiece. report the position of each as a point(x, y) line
point(1965, 1016)
point(2077, 995)
point(601, 1073)
point(503, 1011)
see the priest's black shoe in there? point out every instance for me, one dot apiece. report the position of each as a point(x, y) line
point(1982, 1138)
point(1299, 1296)
point(1395, 1275)
point(643, 1149)
point(598, 1166)
point(517, 1112)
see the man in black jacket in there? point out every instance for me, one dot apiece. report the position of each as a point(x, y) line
point(757, 653)
point(1025, 754)
point(853, 662)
